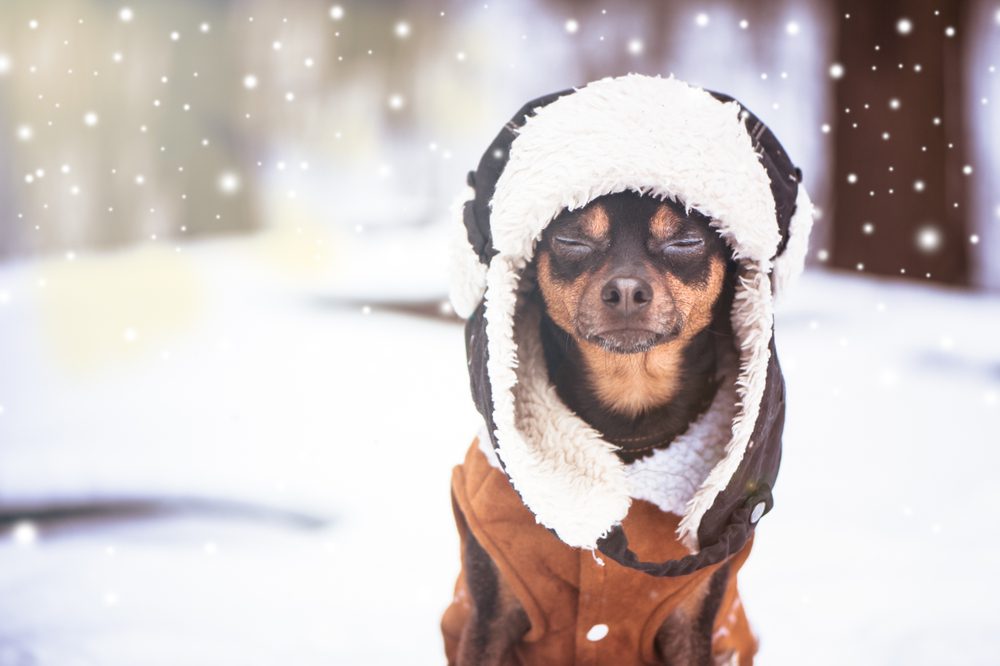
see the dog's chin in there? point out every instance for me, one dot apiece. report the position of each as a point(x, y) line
point(628, 340)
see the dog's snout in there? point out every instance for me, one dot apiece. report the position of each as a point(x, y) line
point(626, 294)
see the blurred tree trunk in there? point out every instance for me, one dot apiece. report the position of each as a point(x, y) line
point(981, 56)
point(900, 198)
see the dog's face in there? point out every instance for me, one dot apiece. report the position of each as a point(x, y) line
point(628, 273)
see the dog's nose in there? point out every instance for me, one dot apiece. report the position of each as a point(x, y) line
point(626, 294)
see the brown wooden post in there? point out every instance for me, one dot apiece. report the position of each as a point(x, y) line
point(900, 191)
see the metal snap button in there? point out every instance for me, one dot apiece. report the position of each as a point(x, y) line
point(757, 512)
point(597, 632)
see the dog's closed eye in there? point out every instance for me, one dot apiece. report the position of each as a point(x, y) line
point(684, 246)
point(570, 247)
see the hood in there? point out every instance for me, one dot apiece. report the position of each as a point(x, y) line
point(667, 139)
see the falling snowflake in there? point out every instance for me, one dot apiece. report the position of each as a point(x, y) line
point(229, 182)
point(24, 533)
point(929, 239)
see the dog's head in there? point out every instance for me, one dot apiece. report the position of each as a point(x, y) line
point(627, 273)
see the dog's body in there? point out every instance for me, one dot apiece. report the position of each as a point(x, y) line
point(636, 297)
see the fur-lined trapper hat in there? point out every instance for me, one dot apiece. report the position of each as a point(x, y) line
point(663, 138)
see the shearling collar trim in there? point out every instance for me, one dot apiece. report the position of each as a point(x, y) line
point(669, 477)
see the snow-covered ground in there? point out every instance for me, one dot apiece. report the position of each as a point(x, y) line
point(297, 448)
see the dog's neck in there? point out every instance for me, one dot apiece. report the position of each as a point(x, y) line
point(640, 402)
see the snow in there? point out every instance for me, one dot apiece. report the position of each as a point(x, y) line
point(287, 457)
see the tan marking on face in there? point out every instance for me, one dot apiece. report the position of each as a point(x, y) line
point(631, 384)
point(594, 222)
point(695, 302)
point(561, 298)
point(664, 223)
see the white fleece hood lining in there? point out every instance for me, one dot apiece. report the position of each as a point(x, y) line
point(663, 138)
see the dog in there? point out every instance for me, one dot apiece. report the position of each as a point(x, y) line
point(620, 249)
point(636, 293)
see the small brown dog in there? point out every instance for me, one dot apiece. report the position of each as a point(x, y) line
point(636, 296)
point(617, 261)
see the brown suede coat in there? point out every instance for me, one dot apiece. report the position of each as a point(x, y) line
point(566, 591)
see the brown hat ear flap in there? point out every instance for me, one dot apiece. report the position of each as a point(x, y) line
point(784, 175)
point(472, 242)
point(483, 181)
point(735, 536)
point(732, 539)
point(476, 218)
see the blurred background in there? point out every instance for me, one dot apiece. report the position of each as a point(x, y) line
point(231, 390)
